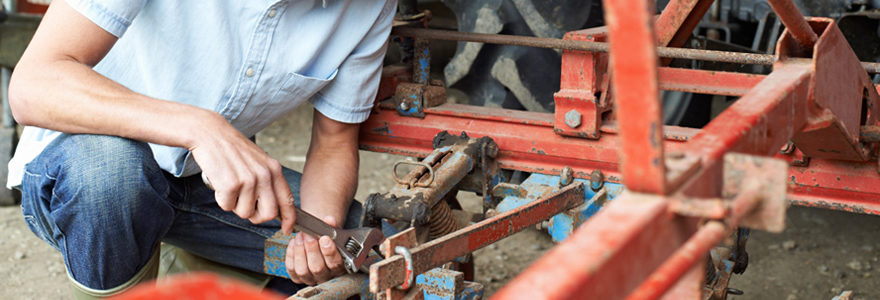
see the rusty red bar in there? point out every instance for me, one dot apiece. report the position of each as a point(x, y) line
point(694, 249)
point(690, 253)
point(608, 256)
point(678, 20)
point(707, 82)
point(633, 61)
point(622, 245)
point(840, 185)
point(388, 273)
point(794, 21)
point(760, 123)
point(665, 52)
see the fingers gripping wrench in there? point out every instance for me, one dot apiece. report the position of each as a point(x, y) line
point(353, 244)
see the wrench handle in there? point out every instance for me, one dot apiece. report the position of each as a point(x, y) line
point(306, 222)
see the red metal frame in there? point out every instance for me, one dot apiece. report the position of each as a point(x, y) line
point(818, 96)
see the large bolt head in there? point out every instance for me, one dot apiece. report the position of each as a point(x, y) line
point(573, 118)
point(566, 176)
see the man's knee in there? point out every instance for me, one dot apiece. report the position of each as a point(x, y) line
point(102, 172)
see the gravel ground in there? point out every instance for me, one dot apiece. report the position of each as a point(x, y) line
point(820, 254)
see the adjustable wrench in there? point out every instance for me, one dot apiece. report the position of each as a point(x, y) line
point(353, 244)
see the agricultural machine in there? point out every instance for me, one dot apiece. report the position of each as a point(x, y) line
point(660, 141)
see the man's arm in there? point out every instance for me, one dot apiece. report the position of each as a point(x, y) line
point(54, 87)
point(328, 185)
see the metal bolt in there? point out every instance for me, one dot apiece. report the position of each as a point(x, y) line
point(573, 118)
point(597, 180)
point(544, 225)
point(492, 150)
point(566, 176)
point(404, 105)
point(787, 149)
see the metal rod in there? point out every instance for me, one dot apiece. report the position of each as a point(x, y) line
point(683, 260)
point(793, 20)
point(708, 236)
point(390, 272)
point(551, 43)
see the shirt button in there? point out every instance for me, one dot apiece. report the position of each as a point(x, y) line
point(272, 13)
point(249, 72)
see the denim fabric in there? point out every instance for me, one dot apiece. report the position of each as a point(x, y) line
point(105, 204)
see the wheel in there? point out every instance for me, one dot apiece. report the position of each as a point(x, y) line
point(509, 76)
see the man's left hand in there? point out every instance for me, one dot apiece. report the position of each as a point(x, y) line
point(312, 261)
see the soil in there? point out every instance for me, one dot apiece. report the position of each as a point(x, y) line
point(820, 254)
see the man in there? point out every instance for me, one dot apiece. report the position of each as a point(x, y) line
point(128, 101)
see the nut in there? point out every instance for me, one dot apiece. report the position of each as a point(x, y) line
point(566, 176)
point(597, 180)
point(492, 150)
point(573, 119)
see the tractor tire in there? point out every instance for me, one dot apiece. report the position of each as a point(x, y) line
point(509, 76)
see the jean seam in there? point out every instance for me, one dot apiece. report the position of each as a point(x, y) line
point(219, 219)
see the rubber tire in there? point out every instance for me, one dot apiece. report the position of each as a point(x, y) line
point(508, 76)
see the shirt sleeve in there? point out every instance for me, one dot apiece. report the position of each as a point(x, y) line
point(114, 16)
point(349, 97)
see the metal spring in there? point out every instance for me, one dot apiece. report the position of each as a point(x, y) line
point(441, 222)
point(352, 247)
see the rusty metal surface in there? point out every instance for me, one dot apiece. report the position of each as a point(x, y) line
point(637, 107)
point(763, 176)
point(339, 288)
point(678, 19)
point(773, 106)
point(680, 262)
point(665, 52)
point(707, 82)
point(794, 22)
point(406, 238)
point(551, 43)
point(838, 98)
point(527, 143)
point(583, 77)
point(605, 248)
point(870, 134)
point(387, 273)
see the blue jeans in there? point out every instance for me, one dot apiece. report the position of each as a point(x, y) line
point(105, 204)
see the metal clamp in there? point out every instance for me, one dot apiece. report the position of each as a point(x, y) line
point(409, 273)
point(415, 182)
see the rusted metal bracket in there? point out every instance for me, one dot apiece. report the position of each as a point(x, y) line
point(390, 272)
point(766, 178)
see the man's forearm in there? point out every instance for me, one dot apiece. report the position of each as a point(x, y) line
point(330, 175)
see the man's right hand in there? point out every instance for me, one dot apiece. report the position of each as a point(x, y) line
point(55, 87)
point(245, 179)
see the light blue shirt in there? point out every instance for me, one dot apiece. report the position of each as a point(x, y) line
point(252, 61)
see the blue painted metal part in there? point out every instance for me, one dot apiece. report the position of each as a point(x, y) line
point(435, 284)
point(443, 284)
point(275, 249)
point(561, 225)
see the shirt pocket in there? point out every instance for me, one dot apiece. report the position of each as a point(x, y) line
point(294, 89)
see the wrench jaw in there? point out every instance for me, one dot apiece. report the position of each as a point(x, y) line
point(356, 246)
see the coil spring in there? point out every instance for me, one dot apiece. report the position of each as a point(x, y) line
point(352, 247)
point(441, 222)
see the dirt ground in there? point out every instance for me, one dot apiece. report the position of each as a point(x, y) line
point(820, 254)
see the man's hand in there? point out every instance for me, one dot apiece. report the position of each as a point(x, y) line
point(55, 87)
point(246, 180)
point(311, 261)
